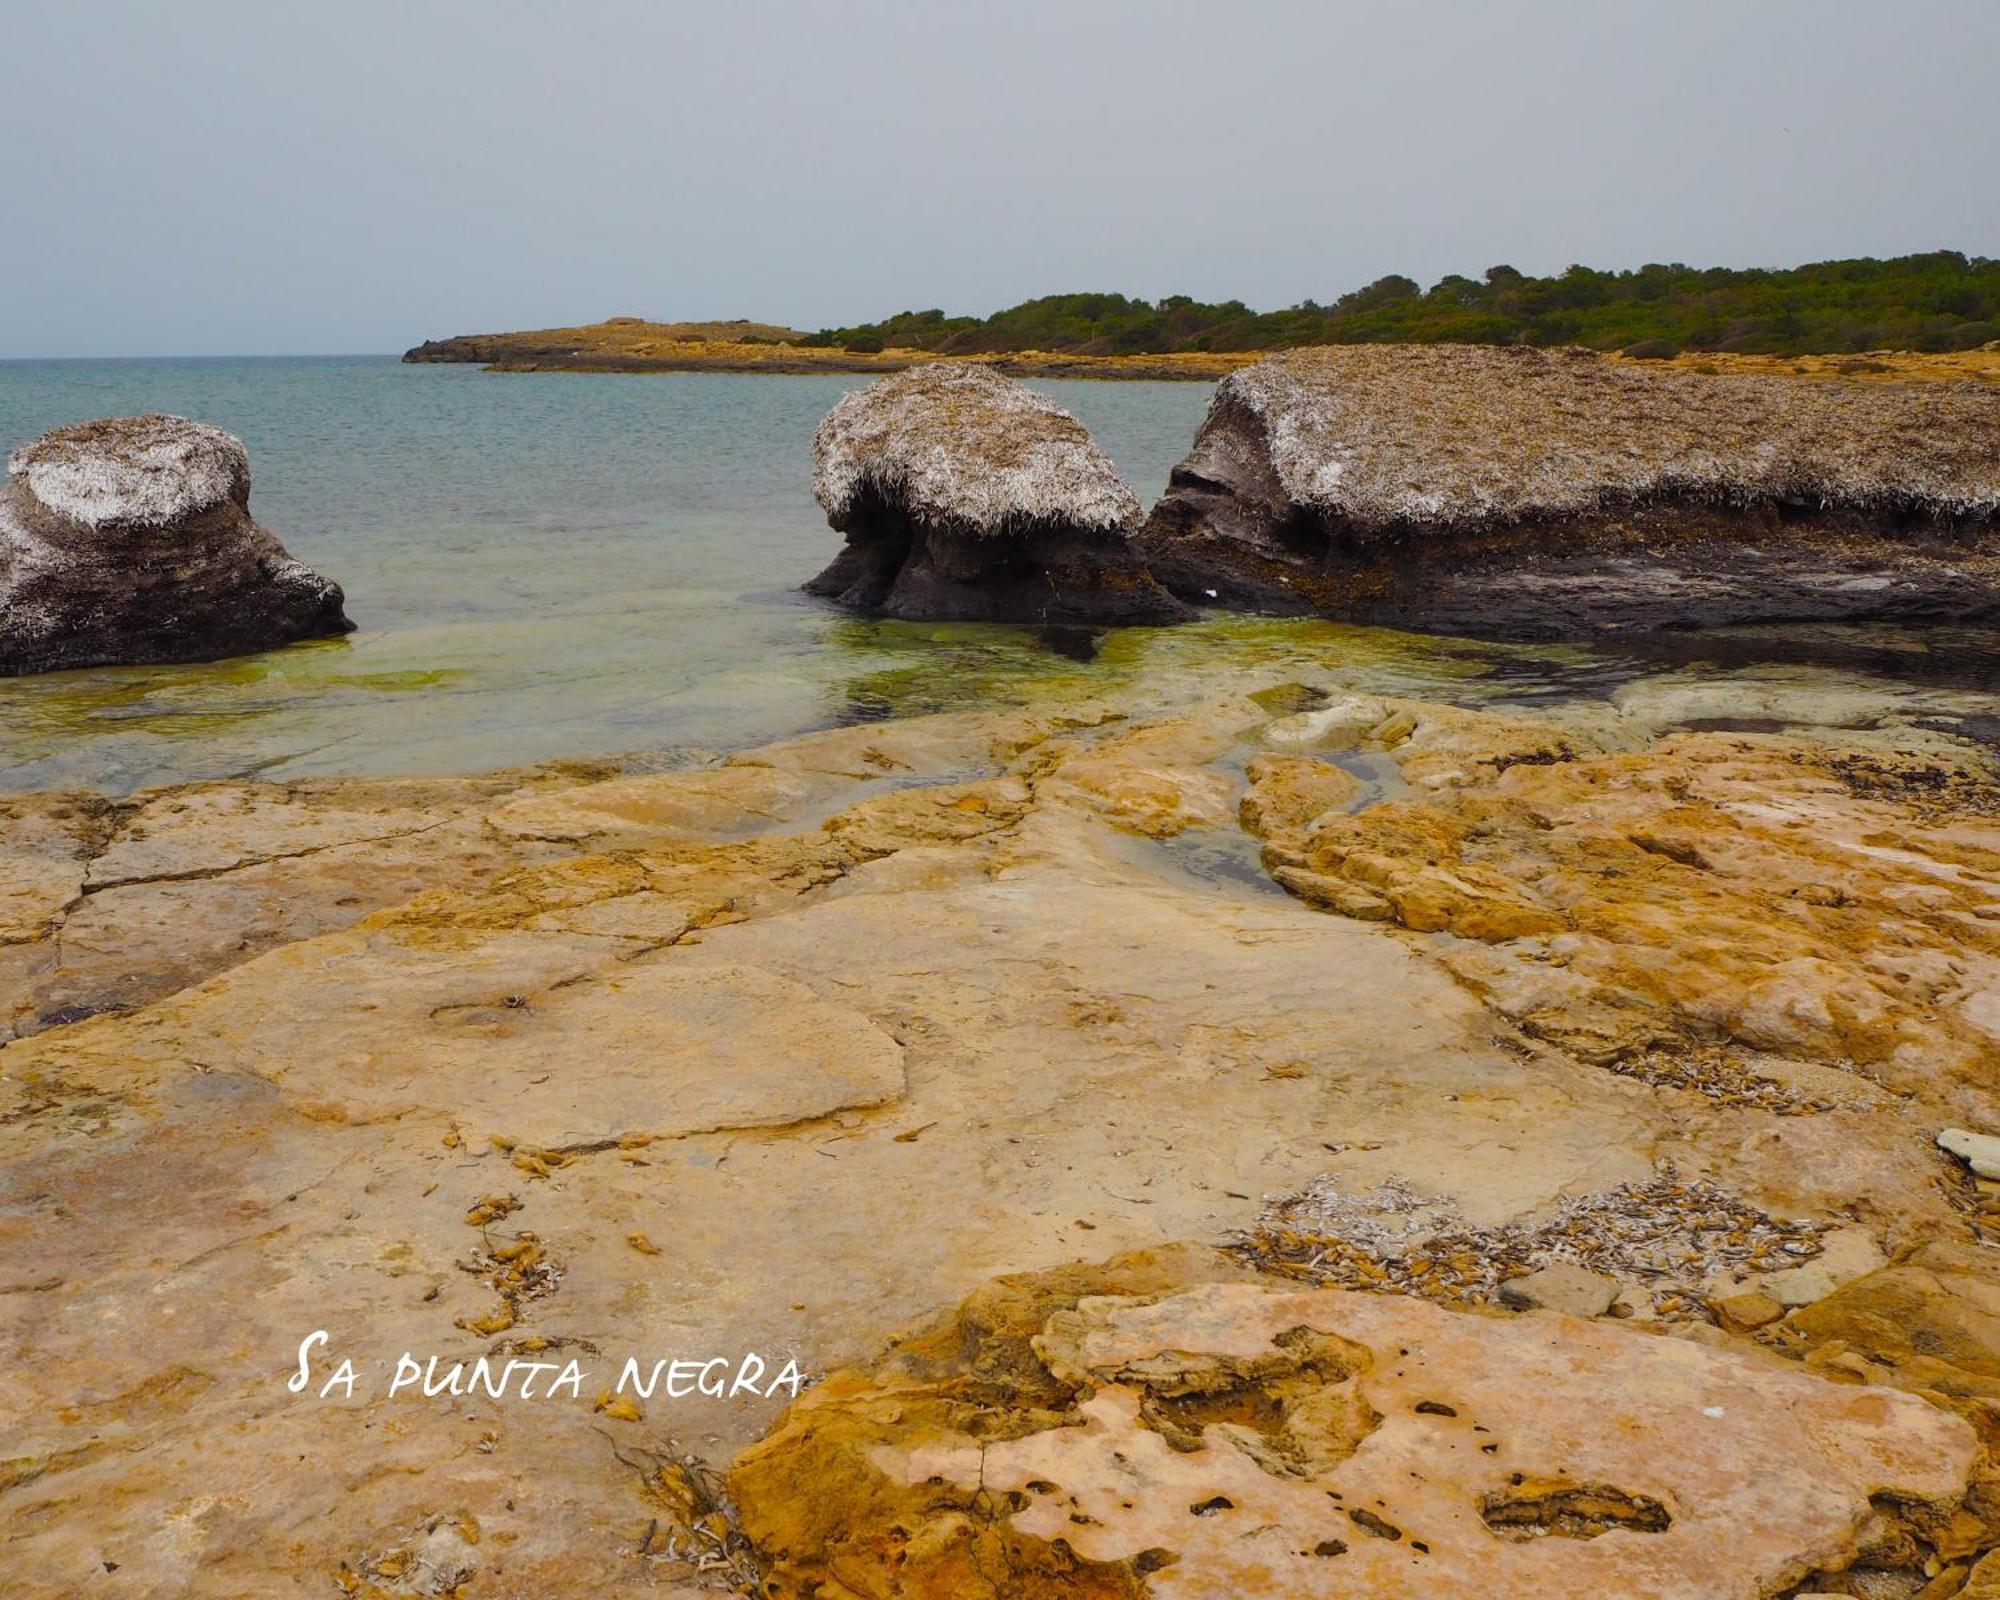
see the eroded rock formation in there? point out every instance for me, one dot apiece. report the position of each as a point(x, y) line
point(130, 540)
point(1153, 1429)
point(1716, 889)
point(964, 494)
point(1515, 492)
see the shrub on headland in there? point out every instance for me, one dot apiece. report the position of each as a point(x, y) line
point(1942, 300)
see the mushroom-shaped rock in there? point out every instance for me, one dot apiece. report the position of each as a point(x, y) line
point(1542, 493)
point(130, 540)
point(964, 494)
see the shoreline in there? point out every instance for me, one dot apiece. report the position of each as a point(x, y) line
point(1215, 1028)
point(648, 348)
point(626, 346)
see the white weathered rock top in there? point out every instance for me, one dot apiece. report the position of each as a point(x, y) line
point(961, 444)
point(1445, 434)
point(145, 471)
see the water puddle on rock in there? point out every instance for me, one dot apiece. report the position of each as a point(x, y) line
point(1225, 860)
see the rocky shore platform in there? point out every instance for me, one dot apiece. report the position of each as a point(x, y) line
point(1234, 1138)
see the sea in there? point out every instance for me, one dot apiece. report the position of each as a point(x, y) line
point(568, 566)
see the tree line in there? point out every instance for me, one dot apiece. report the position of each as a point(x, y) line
point(1942, 300)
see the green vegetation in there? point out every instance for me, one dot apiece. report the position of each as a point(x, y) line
point(1939, 301)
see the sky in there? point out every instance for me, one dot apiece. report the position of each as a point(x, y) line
point(290, 177)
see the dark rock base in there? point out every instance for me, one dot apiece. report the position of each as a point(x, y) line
point(1040, 573)
point(216, 584)
point(1641, 569)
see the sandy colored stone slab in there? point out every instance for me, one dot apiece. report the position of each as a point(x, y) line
point(1234, 1440)
point(1931, 1321)
point(544, 1039)
point(794, 783)
point(651, 1052)
point(1564, 1287)
point(1979, 1151)
point(722, 800)
point(124, 901)
point(1754, 1471)
point(45, 846)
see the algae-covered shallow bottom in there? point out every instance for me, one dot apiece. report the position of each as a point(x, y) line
point(446, 698)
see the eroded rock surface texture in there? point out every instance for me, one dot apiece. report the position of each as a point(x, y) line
point(786, 1052)
point(1544, 493)
point(1223, 1440)
point(130, 540)
point(965, 494)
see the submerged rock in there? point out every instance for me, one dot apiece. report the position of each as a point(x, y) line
point(1114, 1432)
point(1538, 493)
point(964, 494)
point(130, 540)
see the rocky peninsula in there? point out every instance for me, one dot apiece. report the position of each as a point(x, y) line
point(130, 539)
point(633, 344)
point(1147, 1113)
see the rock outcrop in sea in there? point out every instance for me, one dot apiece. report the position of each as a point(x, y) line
point(1541, 493)
point(129, 540)
point(964, 494)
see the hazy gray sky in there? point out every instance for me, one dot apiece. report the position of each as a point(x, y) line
point(269, 176)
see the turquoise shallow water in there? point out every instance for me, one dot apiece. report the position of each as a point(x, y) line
point(564, 565)
point(559, 565)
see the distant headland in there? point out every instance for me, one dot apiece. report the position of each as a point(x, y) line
point(633, 344)
point(1940, 311)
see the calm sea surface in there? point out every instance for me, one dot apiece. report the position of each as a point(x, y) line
point(564, 565)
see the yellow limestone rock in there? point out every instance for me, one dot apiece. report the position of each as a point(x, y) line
point(422, 1083)
point(1235, 1440)
point(1784, 895)
point(1984, 1581)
